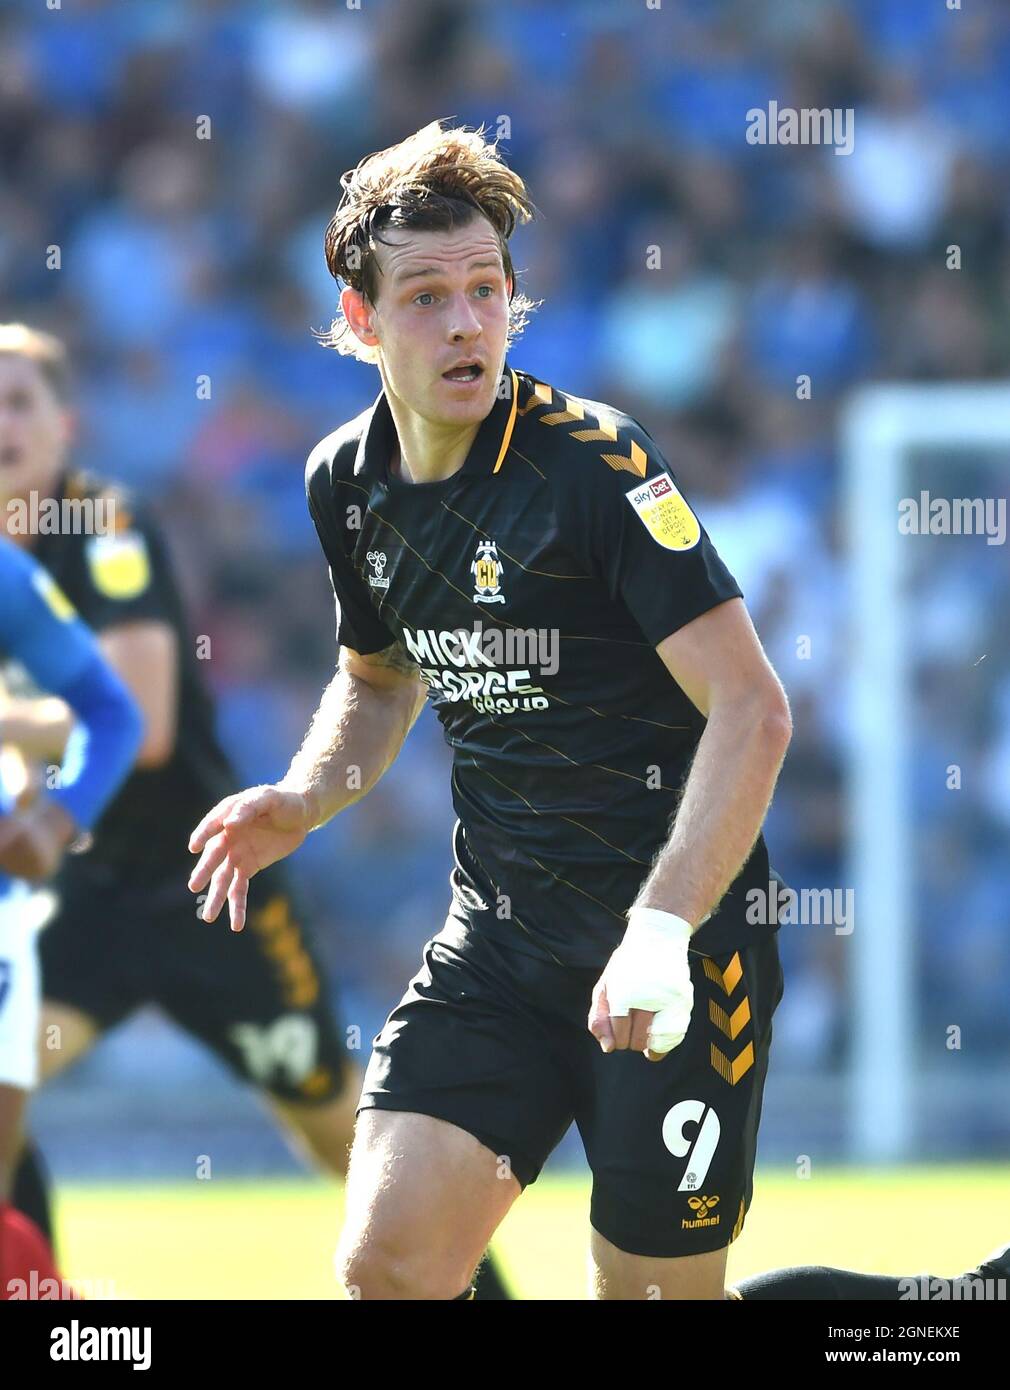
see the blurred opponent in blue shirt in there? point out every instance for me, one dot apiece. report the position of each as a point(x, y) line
point(40, 630)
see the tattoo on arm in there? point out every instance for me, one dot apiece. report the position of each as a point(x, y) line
point(396, 658)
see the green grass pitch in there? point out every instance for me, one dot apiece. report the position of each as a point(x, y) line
point(231, 1239)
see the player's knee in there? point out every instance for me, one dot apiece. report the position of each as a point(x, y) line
point(378, 1271)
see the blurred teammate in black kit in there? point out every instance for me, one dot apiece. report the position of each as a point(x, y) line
point(124, 931)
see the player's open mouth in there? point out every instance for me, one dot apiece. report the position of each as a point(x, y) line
point(469, 372)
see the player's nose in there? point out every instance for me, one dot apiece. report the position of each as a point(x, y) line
point(463, 321)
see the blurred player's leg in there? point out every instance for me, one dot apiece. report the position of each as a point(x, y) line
point(322, 1134)
point(423, 1199)
point(27, 1267)
point(816, 1283)
point(26, 1259)
point(989, 1281)
point(25, 1256)
point(29, 1191)
point(12, 1105)
point(65, 1034)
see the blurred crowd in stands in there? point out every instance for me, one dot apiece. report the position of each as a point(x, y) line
point(167, 170)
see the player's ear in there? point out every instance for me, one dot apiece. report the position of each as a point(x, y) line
point(358, 312)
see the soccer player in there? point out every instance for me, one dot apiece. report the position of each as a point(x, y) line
point(39, 630)
point(526, 558)
point(471, 503)
point(125, 932)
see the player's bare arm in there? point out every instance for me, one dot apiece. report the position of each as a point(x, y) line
point(145, 655)
point(364, 716)
point(718, 661)
point(366, 712)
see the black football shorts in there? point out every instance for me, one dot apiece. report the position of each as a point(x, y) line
point(496, 1042)
point(258, 998)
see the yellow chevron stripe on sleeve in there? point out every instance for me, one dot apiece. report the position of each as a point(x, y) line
point(572, 412)
point(542, 395)
point(605, 432)
point(637, 463)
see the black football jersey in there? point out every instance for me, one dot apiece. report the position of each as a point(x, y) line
point(531, 588)
point(121, 577)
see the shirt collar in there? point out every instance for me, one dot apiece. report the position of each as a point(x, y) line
point(487, 452)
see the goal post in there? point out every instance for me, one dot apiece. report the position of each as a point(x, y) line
point(880, 427)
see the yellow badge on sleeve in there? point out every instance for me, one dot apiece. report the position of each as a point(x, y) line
point(664, 513)
point(119, 565)
point(53, 596)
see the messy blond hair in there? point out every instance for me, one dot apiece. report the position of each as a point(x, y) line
point(437, 179)
point(44, 349)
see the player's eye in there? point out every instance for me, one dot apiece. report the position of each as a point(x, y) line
point(489, 288)
point(425, 294)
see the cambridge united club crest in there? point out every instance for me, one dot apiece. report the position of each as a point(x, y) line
point(487, 572)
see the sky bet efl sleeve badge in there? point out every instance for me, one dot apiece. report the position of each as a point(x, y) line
point(487, 571)
point(119, 565)
point(664, 513)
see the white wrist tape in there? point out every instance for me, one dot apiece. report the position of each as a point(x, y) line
point(650, 970)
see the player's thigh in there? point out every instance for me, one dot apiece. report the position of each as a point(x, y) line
point(672, 1144)
point(323, 1132)
point(614, 1274)
point(258, 998)
point(470, 1065)
point(423, 1199)
point(478, 1041)
point(65, 1034)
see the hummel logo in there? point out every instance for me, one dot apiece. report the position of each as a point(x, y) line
point(702, 1208)
point(377, 559)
